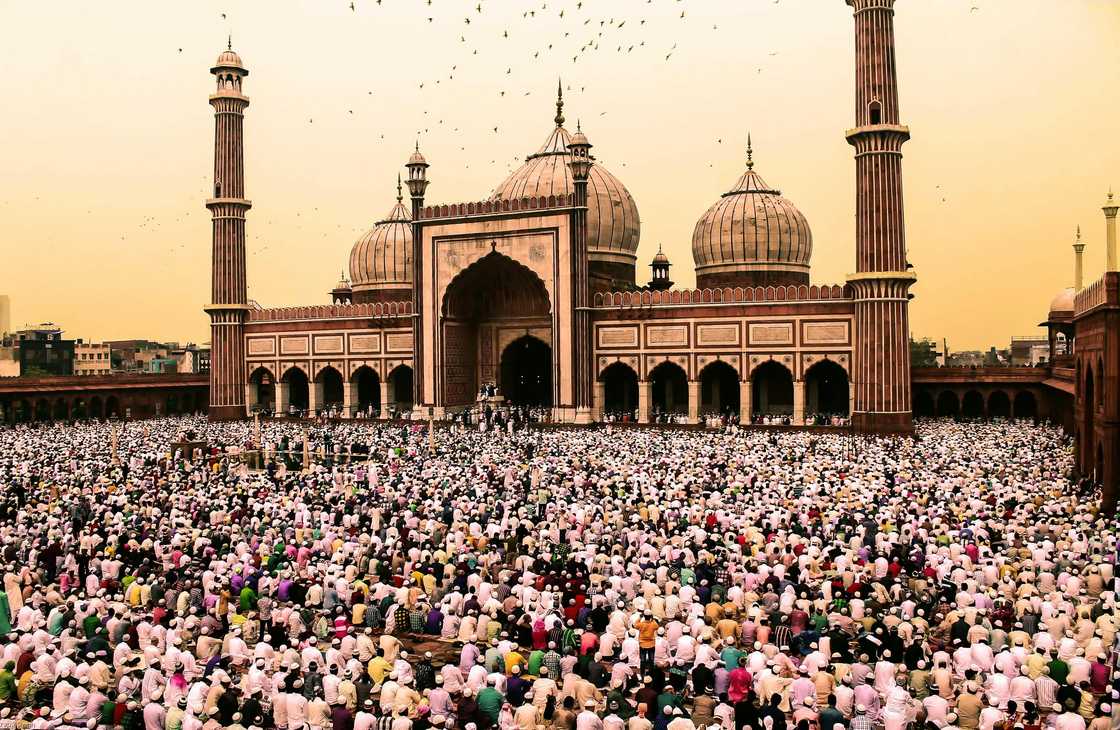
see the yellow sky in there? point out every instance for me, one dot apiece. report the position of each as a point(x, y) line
point(107, 137)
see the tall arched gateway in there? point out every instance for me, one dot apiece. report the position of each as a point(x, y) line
point(497, 330)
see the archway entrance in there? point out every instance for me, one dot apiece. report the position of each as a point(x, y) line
point(527, 373)
point(400, 388)
point(42, 410)
point(481, 305)
point(296, 382)
point(60, 410)
point(973, 405)
point(719, 389)
point(772, 390)
point(948, 405)
point(670, 389)
point(826, 390)
point(95, 408)
point(330, 381)
point(999, 405)
point(1025, 405)
point(620, 391)
point(369, 391)
point(112, 407)
point(923, 404)
point(262, 391)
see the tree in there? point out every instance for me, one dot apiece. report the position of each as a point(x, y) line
point(923, 353)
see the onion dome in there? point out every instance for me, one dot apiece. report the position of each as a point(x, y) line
point(752, 236)
point(613, 226)
point(228, 59)
point(1061, 306)
point(382, 258)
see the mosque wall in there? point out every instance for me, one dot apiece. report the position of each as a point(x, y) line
point(1096, 403)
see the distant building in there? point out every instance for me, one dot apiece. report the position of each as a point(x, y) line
point(1029, 351)
point(192, 358)
point(92, 358)
point(136, 356)
point(41, 350)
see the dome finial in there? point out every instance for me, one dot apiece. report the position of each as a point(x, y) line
point(559, 103)
point(229, 42)
point(399, 196)
point(1079, 232)
point(750, 153)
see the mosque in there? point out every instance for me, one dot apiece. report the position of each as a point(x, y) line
point(535, 290)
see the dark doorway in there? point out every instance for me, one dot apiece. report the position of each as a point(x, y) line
point(923, 404)
point(95, 408)
point(331, 380)
point(948, 405)
point(826, 390)
point(999, 405)
point(369, 391)
point(297, 388)
point(42, 410)
point(719, 389)
point(262, 381)
point(772, 390)
point(112, 407)
point(527, 373)
point(1025, 405)
point(60, 412)
point(670, 388)
point(620, 390)
point(973, 405)
point(401, 381)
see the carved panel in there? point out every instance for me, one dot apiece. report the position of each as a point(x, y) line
point(703, 361)
point(786, 359)
point(293, 345)
point(365, 343)
point(717, 334)
point(262, 346)
point(780, 333)
point(606, 361)
point(611, 337)
point(328, 344)
point(652, 361)
point(808, 360)
point(459, 386)
point(673, 335)
point(824, 333)
point(399, 342)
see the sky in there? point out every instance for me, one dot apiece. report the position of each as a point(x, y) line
point(1013, 107)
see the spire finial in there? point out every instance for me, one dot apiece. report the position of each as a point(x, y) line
point(750, 153)
point(559, 103)
point(229, 42)
point(1079, 232)
point(1110, 193)
point(399, 196)
point(417, 144)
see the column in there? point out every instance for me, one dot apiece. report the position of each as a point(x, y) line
point(250, 398)
point(694, 401)
point(645, 397)
point(314, 397)
point(281, 398)
point(600, 400)
point(799, 402)
point(744, 401)
point(349, 398)
point(388, 398)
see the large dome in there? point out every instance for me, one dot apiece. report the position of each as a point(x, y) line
point(613, 226)
point(752, 236)
point(381, 260)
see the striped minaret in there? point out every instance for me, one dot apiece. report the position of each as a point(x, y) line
point(228, 299)
point(883, 277)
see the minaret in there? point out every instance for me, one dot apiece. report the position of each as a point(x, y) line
point(417, 184)
point(228, 299)
point(1078, 266)
point(882, 278)
point(580, 164)
point(1110, 208)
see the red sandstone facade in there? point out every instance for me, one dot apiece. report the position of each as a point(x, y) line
point(532, 289)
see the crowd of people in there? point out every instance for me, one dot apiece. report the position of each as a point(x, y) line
point(366, 576)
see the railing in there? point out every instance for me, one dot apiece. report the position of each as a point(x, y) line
point(1102, 291)
point(490, 207)
point(332, 311)
point(728, 295)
